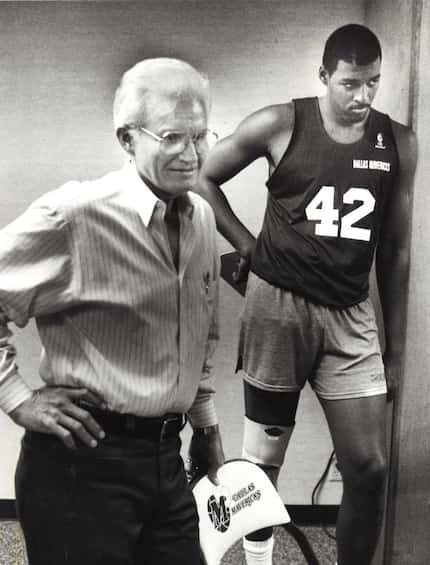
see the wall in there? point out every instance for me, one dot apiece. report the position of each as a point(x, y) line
point(392, 21)
point(409, 518)
point(60, 63)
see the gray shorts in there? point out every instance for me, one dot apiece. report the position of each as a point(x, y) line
point(286, 340)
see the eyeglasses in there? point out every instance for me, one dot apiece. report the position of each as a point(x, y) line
point(175, 142)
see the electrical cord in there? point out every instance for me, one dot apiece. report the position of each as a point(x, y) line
point(303, 543)
point(318, 486)
point(297, 534)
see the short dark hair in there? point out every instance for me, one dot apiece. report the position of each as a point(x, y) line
point(352, 43)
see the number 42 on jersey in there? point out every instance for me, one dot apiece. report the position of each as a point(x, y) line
point(321, 209)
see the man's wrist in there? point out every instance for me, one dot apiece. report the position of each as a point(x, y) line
point(13, 392)
point(206, 430)
point(245, 251)
point(244, 242)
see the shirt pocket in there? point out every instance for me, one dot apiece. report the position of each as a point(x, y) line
point(202, 284)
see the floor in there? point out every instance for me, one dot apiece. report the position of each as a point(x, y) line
point(286, 551)
point(12, 550)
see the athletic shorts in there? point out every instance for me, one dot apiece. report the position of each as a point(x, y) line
point(286, 340)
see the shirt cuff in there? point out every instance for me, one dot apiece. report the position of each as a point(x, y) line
point(203, 413)
point(13, 392)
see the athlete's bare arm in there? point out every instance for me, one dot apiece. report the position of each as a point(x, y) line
point(266, 133)
point(392, 255)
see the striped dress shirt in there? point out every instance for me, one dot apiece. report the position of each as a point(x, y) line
point(91, 262)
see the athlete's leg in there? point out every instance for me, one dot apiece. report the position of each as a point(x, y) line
point(358, 430)
point(350, 383)
point(280, 339)
point(269, 422)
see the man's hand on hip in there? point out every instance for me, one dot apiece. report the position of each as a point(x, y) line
point(56, 411)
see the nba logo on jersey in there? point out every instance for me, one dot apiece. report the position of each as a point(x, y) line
point(380, 141)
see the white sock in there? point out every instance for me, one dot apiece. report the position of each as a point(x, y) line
point(258, 552)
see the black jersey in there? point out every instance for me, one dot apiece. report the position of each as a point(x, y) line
point(325, 208)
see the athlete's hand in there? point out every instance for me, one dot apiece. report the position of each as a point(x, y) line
point(245, 251)
point(393, 370)
point(240, 275)
point(55, 410)
point(206, 454)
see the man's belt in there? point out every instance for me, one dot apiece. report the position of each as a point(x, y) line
point(156, 429)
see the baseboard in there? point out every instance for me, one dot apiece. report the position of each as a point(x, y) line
point(7, 509)
point(313, 515)
point(302, 515)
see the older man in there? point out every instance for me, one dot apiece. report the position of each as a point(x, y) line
point(121, 275)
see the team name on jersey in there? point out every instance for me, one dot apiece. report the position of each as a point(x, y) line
point(371, 164)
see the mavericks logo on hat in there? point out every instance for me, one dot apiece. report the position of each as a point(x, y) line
point(219, 513)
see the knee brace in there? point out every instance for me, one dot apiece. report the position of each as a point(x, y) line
point(265, 444)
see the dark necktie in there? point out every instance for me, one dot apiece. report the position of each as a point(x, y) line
point(171, 219)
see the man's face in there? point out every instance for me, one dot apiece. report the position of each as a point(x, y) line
point(351, 89)
point(170, 174)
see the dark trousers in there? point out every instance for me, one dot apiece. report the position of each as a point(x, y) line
point(125, 502)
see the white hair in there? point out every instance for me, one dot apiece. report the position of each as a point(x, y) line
point(171, 78)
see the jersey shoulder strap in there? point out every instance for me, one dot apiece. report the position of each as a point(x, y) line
point(306, 129)
point(306, 117)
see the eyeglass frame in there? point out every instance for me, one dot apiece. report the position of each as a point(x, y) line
point(160, 139)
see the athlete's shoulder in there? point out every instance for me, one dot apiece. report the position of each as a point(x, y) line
point(407, 151)
point(267, 122)
point(404, 137)
point(402, 132)
point(406, 141)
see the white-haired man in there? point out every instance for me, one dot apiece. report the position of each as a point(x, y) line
point(121, 275)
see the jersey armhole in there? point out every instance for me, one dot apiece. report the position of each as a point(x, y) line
point(287, 149)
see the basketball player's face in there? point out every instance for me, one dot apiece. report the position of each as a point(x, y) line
point(351, 89)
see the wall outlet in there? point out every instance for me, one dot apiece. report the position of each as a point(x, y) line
point(334, 474)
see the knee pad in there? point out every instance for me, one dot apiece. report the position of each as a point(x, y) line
point(265, 444)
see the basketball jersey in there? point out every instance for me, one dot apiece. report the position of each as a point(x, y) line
point(325, 208)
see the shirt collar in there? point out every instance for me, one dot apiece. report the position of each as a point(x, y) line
point(144, 200)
